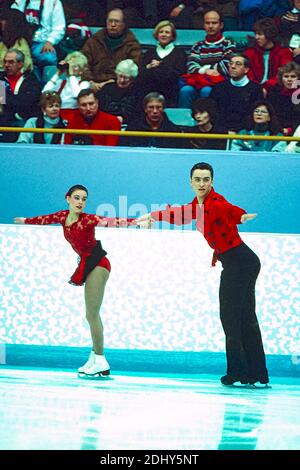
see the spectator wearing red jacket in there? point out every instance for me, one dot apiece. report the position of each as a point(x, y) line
point(89, 116)
point(266, 56)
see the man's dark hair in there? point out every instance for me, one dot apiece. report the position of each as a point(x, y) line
point(203, 166)
point(247, 62)
point(87, 92)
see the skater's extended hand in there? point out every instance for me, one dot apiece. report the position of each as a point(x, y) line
point(246, 217)
point(19, 220)
point(145, 221)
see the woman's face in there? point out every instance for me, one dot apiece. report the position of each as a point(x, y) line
point(289, 79)
point(261, 115)
point(261, 39)
point(52, 110)
point(165, 35)
point(202, 117)
point(123, 81)
point(77, 201)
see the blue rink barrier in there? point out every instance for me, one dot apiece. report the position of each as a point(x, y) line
point(42, 317)
point(34, 179)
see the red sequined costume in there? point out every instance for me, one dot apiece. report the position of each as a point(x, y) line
point(81, 236)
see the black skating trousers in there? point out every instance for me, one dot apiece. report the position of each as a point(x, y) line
point(244, 347)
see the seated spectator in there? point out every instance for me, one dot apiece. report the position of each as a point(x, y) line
point(15, 35)
point(290, 21)
point(190, 13)
point(22, 93)
point(138, 13)
point(122, 98)
point(204, 111)
point(280, 96)
point(267, 55)
point(154, 119)
point(236, 95)
point(49, 117)
point(294, 45)
point(48, 24)
point(92, 12)
point(207, 61)
point(254, 10)
point(262, 122)
point(294, 146)
point(180, 13)
point(76, 35)
point(89, 116)
point(162, 65)
point(68, 81)
point(105, 49)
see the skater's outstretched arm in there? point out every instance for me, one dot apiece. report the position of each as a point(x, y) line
point(56, 218)
point(173, 215)
point(19, 220)
point(101, 221)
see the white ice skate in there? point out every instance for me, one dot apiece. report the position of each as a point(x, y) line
point(98, 368)
point(89, 362)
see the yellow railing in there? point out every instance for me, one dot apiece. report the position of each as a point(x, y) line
point(176, 135)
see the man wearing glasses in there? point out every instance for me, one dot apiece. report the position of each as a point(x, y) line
point(108, 47)
point(20, 94)
point(236, 95)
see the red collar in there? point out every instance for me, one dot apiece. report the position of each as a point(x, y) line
point(214, 38)
point(13, 81)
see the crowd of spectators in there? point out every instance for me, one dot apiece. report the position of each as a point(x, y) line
point(55, 73)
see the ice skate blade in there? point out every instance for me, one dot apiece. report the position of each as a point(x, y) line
point(99, 375)
point(235, 385)
point(259, 386)
point(248, 386)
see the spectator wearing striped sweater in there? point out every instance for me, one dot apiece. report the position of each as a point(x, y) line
point(207, 61)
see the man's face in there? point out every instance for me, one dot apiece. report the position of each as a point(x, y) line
point(88, 106)
point(212, 23)
point(201, 183)
point(11, 66)
point(115, 23)
point(154, 111)
point(237, 68)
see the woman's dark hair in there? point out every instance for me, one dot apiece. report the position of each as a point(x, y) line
point(15, 27)
point(74, 188)
point(205, 104)
point(203, 166)
point(274, 126)
point(266, 26)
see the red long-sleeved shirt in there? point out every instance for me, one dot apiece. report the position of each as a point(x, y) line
point(216, 219)
point(102, 121)
point(80, 234)
point(279, 56)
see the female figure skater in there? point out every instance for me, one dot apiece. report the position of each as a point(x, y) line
point(93, 269)
point(217, 219)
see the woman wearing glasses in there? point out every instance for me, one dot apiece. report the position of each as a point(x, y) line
point(262, 122)
point(49, 117)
